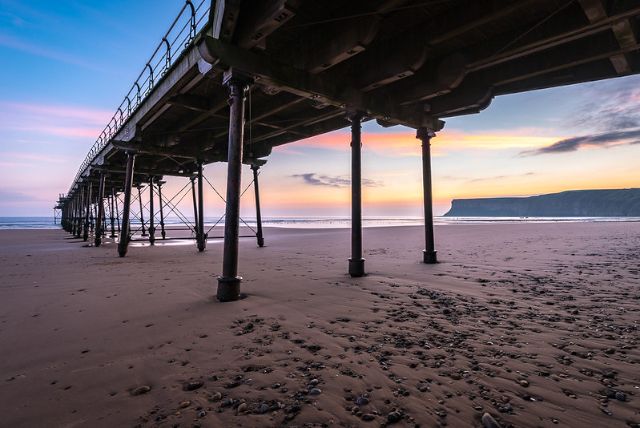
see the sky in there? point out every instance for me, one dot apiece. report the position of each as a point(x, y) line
point(66, 65)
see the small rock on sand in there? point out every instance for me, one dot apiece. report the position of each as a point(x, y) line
point(315, 391)
point(140, 390)
point(394, 417)
point(192, 386)
point(489, 422)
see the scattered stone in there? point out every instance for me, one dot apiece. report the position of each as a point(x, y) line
point(262, 408)
point(216, 396)
point(140, 390)
point(394, 417)
point(192, 386)
point(241, 408)
point(524, 383)
point(367, 417)
point(184, 404)
point(315, 391)
point(489, 422)
point(361, 400)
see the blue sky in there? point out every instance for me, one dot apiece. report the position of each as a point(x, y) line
point(66, 65)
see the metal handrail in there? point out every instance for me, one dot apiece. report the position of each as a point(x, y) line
point(196, 18)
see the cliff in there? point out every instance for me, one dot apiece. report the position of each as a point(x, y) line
point(574, 203)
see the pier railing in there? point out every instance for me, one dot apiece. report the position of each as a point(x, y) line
point(192, 18)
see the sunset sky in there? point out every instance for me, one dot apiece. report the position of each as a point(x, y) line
point(65, 65)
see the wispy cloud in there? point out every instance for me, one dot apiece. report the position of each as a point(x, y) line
point(611, 106)
point(11, 196)
point(52, 120)
point(491, 178)
point(43, 52)
point(334, 181)
point(608, 139)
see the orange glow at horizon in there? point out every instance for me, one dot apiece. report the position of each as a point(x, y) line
point(406, 144)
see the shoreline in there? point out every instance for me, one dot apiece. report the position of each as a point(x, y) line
point(302, 223)
point(534, 324)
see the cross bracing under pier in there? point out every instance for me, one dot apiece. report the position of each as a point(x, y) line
point(232, 79)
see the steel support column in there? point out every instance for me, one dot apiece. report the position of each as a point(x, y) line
point(229, 281)
point(100, 220)
point(87, 214)
point(115, 197)
point(256, 188)
point(429, 254)
point(77, 214)
point(201, 237)
point(112, 219)
point(195, 206)
point(144, 230)
point(128, 184)
point(92, 217)
point(152, 229)
point(356, 262)
point(164, 235)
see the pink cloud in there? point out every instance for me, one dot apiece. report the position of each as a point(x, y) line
point(53, 120)
point(99, 117)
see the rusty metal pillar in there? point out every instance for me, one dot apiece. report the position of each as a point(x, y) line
point(104, 219)
point(76, 215)
point(128, 184)
point(152, 229)
point(201, 237)
point(164, 235)
point(72, 215)
point(429, 254)
point(112, 218)
point(87, 214)
point(144, 230)
point(115, 197)
point(229, 281)
point(195, 206)
point(356, 262)
point(256, 188)
point(76, 230)
point(100, 220)
point(92, 217)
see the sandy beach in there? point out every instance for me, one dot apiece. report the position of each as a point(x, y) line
point(534, 324)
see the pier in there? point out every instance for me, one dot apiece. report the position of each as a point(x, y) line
point(292, 69)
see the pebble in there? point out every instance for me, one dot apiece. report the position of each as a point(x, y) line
point(315, 391)
point(140, 390)
point(620, 396)
point(489, 422)
point(192, 386)
point(362, 400)
point(367, 417)
point(524, 383)
point(216, 396)
point(242, 408)
point(185, 404)
point(394, 417)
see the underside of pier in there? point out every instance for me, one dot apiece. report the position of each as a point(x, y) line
point(246, 76)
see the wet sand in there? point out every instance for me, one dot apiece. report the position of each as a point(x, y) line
point(535, 325)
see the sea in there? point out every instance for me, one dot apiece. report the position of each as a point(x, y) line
point(332, 222)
